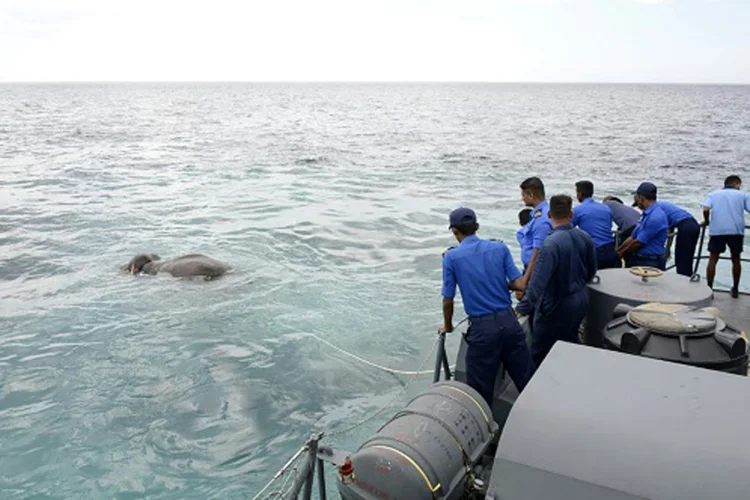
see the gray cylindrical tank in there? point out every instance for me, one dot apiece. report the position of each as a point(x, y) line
point(620, 286)
point(680, 334)
point(424, 450)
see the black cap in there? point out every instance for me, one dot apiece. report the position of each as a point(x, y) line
point(461, 216)
point(646, 189)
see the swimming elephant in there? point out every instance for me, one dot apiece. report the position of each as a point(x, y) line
point(180, 267)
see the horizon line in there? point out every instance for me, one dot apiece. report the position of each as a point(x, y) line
point(422, 82)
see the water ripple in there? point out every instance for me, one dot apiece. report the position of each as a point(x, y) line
point(330, 203)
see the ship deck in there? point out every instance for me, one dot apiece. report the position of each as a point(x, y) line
point(736, 312)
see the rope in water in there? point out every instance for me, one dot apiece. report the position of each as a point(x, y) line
point(412, 374)
point(376, 365)
point(393, 400)
point(370, 363)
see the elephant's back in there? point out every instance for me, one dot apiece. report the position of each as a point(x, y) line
point(194, 265)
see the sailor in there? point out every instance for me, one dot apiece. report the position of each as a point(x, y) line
point(524, 217)
point(646, 246)
point(724, 213)
point(532, 194)
point(485, 273)
point(688, 231)
point(557, 291)
point(596, 219)
point(625, 217)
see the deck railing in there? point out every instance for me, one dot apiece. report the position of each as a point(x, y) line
point(441, 361)
point(699, 255)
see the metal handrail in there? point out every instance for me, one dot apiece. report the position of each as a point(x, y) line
point(441, 361)
point(303, 478)
point(699, 256)
point(699, 252)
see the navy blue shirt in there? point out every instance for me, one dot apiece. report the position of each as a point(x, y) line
point(652, 231)
point(596, 219)
point(674, 214)
point(539, 228)
point(624, 216)
point(566, 262)
point(482, 270)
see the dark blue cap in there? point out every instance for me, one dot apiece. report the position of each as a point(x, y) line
point(462, 216)
point(646, 188)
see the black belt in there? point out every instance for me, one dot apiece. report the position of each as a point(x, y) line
point(488, 317)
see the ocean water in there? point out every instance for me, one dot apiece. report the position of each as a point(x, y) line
point(329, 201)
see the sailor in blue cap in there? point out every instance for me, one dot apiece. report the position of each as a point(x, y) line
point(485, 273)
point(646, 246)
point(557, 291)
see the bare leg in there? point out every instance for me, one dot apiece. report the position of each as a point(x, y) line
point(736, 271)
point(711, 269)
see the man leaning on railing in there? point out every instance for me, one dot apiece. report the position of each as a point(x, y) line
point(724, 213)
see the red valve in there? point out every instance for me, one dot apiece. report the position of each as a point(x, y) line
point(346, 469)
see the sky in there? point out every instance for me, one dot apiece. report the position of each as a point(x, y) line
point(662, 41)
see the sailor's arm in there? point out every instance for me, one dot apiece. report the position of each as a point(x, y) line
point(447, 315)
point(527, 275)
point(542, 277)
point(513, 275)
point(630, 245)
point(448, 292)
point(517, 285)
point(540, 231)
point(623, 247)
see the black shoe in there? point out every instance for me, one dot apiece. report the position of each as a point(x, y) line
point(735, 293)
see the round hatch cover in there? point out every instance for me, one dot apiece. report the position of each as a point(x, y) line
point(675, 319)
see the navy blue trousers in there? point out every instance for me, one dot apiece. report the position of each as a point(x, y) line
point(606, 257)
point(557, 321)
point(493, 339)
point(657, 261)
point(688, 232)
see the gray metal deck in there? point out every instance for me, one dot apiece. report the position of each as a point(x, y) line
point(595, 424)
point(736, 312)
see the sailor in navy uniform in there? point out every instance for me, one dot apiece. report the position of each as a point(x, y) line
point(688, 231)
point(485, 273)
point(647, 245)
point(532, 194)
point(596, 219)
point(557, 291)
